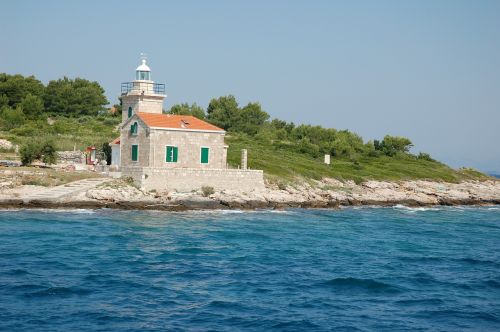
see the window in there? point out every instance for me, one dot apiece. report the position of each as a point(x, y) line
point(133, 128)
point(135, 152)
point(129, 112)
point(171, 154)
point(204, 155)
point(143, 75)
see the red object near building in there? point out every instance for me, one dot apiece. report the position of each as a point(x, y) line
point(90, 152)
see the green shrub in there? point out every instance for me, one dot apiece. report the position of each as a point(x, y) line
point(128, 179)
point(207, 191)
point(32, 151)
point(425, 156)
point(26, 130)
point(281, 186)
point(48, 152)
point(29, 152)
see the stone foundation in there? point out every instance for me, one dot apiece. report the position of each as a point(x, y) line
point(188, 179)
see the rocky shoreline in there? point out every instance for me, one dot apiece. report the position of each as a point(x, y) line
point(327, 193)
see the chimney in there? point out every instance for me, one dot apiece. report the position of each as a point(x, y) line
point(244, 159)
point(327, 159)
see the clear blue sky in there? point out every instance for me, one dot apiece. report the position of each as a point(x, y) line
point(429, 70)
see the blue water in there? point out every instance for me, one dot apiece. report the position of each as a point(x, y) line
point(368, 269)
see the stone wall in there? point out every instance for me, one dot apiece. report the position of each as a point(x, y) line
point(187, 179)
point(70, 157)
point(189, 144)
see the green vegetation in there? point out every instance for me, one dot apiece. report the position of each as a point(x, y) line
point(186, 109)
point(288, 164)
point(66, 132)
point(207, 191)
point(71, 114)
point(34, 150)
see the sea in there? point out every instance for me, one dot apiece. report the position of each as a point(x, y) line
point(353, 269)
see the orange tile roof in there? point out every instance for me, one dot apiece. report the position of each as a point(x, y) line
point(187, 122)
point(115, 141)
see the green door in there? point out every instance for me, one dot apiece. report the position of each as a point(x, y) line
point(135, 152)
point(171, 154)
point(204, 155)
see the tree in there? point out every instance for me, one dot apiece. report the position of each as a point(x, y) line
point(223, 111)
point(4, 100)
point(250, 119)
point(391, 145)
point(118, 108)
point(106, 149)
point(32, 106)
point(186, 109)
point(48, 152)
point(44, 151)
point(29, 152)
point(16, 87)
point(11, 118)
point(74, 97)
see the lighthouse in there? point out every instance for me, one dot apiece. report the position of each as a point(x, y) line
point(143, 94)
point(172, 151)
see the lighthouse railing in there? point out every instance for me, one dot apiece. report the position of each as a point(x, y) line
point(142, 87)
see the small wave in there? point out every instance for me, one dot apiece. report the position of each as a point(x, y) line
point(296, 325)
point(59, 292)
point(453, 314)
point(475, 261)
point(370, 285)
point(44, 210)
point(27, 288)
point(493, 283)
point(414, 209)
point(419, 302)
point(17, 272)
point(223, 304)
point(191, 250)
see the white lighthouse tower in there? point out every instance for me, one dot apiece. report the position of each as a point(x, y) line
point(142, 95)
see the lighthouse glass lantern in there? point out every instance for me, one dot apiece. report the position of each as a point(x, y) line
point(143, 73)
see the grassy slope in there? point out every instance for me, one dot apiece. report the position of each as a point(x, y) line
point(68, 132)
point(283, 165)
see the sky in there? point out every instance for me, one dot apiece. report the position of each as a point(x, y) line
point(427, 70)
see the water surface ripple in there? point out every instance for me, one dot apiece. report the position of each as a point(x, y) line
point(367, 269)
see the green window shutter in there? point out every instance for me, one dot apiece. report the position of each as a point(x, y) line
point(176, 153)
point(168, 154)
point(129, 112)
point(135, 152)
point(204, 155)
point(133, 128)
point(171, 154)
